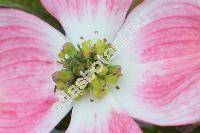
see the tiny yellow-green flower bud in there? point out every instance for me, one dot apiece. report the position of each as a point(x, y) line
point(104, 71)
point(100, 47)
point(114, 69)
point(66, 76)
point(56, 76)
point(69, 49)
point(67, 63)
point(96, 87)
point(78, 68)
point(62, 55)
point(60, 85)
point(112, 78)
point(102, 92)
point(86, 49)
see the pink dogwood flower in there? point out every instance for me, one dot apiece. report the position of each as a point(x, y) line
point(159, 52)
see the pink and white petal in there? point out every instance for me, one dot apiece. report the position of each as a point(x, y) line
point(58, 112)
point(81, 18)
point(28, 51)
point(101, 116)
point(160, 58)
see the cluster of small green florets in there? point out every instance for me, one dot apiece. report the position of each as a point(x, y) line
point(75, 61)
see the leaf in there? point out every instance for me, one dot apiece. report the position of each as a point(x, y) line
point(168, 130)
point(149, 129)
point(34, 7)
point(193, 128)
point(64, 123)
point(196, 130)
point(156, 129)
point(134, 4)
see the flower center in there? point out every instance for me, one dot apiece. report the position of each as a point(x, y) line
point(87, 69)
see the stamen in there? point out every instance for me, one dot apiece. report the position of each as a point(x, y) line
point(117, 87)
point(91, 100)
point(98, 74)
point(96, 32)
point(91, 96)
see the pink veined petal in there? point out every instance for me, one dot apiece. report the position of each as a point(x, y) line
point(161, 82)
point(81, 18)
point(57, 113)
point(28, 50)
point(102, 116)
